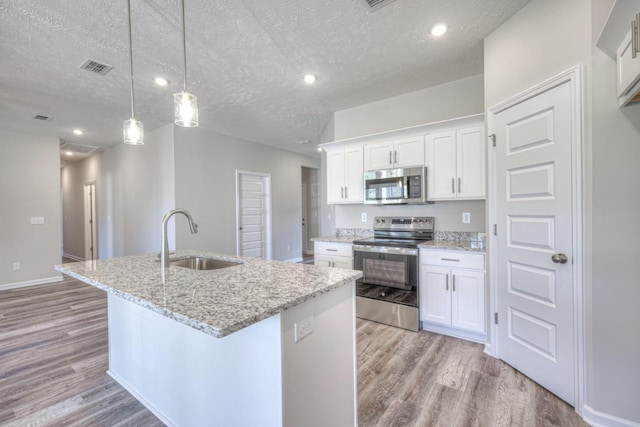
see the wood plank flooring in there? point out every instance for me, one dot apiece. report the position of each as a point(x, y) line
point(54, 355)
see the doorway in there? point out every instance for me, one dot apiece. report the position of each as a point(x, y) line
point(310, 195)
point(90, 223)
point(536, 246)
point(253, 214)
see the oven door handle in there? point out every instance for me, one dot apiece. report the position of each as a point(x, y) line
point(385, 250)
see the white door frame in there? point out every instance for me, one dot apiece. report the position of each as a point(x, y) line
point(90, 229)
point(266, 179)
point(574, 76)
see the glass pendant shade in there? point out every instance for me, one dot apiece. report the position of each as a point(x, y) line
point(185, 107)
point(133, 132)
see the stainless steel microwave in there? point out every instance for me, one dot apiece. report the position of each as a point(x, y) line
point(396, 186)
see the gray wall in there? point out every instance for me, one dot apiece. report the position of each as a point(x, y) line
point(205, 184)
point(134, 188)
point(545, 38)
point(447, 101)
point(30, 176)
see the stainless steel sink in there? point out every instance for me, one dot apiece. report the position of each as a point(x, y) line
point(201, 263)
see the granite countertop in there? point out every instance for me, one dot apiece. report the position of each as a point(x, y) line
point(217, 302)
point(338, 239)
point(454, 245)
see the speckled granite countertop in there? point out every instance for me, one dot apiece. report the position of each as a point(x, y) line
point(217, 302)
point(453, 245)
point(338, 239)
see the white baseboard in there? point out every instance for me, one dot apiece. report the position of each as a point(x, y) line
point(600, 419)
point(140, 399)
point(24, 284)
point(453, 332)
point(487, 349)
point(73, 257)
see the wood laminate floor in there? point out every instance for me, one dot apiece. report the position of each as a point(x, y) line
point(53, 359)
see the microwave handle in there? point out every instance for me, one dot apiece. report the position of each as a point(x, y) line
point(407, 185)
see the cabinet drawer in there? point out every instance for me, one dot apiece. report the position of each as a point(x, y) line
point(452, 259)
point(335, 249)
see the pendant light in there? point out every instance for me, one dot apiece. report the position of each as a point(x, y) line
point(133, 129)
point(185, 104)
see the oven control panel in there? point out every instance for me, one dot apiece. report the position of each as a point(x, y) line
point(403, 223)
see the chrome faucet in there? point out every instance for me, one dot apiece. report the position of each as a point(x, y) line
point(164, 253)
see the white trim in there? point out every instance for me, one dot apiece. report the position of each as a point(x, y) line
point(45, 281)
point(73, 257)
point(574, 76)
point(600, 419)
point(454, 332)
point(299, 259)
point(267, 232)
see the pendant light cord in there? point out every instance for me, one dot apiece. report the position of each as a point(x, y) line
point(184, 50)
point(133, 112)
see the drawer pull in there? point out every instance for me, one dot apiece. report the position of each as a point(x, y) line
point(450, 259)
point(331, 250)
point(447, 283)
point(454, 283)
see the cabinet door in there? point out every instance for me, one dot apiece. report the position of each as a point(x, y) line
point(342, 262)
point(378, 156)
point(467, 300)
point(353, 183)
point(335, 176)
point(470, 163)
point(409, 152)
point(628, 66)
point(323, 260)
point(435, 295)
point(441, 166)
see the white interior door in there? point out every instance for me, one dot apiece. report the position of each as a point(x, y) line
point(90, 225)
point(533, 213)
point(253, 215)
point(305, 220)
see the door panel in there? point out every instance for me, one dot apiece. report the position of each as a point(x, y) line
point(435, 295)
point(251, 203)
point(534, 222)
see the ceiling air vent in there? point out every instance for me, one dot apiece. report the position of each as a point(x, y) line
point(96, 67)
point(43, 118)
point(376, 4)
point(78, 148)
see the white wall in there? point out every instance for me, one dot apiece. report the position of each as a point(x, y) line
point(459, 98)
point(30, 177)
point(543, 39)
point(447, 101)
point(205, 171)
point(134, 188)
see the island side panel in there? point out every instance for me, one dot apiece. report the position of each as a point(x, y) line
point(189, 378)
point(319, 371)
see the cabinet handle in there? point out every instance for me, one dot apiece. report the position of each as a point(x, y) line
point(454, 283)
point(345, 192)
point(637, 32)
point(453, 185)
point(634, 30)
point(395, 156)
point(459, 185)
point(450, 259)
point(331, 250)
point(342, 192)
point(390, 162)
point(333, 263)
point(447, 284)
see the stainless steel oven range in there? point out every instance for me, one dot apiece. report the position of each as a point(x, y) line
point(388, 291)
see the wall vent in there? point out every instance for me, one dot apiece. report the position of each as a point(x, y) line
point(377, 4)
point(96, 67)
point(41, 117)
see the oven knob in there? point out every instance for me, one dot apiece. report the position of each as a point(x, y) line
point(415, 221)
point(383, 221)
point(421, 221)
point(377, 221)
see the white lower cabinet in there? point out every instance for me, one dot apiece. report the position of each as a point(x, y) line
point(452, 290)
point(328, 254)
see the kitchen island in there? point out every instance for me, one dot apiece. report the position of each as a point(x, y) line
point(263, 342)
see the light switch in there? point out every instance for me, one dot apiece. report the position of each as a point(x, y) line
point(363, 217)
point(466, 217)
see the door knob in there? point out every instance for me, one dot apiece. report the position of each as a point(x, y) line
point(559, 258)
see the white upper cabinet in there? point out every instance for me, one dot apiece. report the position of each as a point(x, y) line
point(456, 164)
point(344, 175)
point(400, 153)
point(620, 39)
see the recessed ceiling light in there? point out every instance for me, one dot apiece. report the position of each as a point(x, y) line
point(69, 153)
point(309, 78)
point(161, 81)
point(78, 131)
point(438, 30)
point(319, 149)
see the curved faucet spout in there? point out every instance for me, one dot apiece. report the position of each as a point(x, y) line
point(164, 252)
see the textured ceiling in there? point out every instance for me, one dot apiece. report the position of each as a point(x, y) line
point(245, 60)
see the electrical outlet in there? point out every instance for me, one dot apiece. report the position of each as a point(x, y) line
point(16, 266)
point(288, 247)
point(363, 216)
point(466, 217)
point(37, 220)
point(302, 328)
